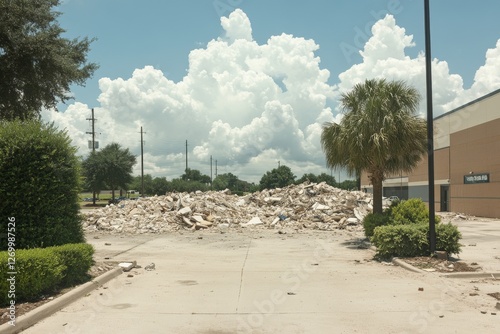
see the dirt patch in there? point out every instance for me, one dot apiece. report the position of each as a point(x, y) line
point(96, 270)
point(442, 266)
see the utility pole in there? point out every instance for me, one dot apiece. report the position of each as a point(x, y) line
point(430, 129)
point(93, 130)
point(279, 163)
point(93, 145)
point(215, 168)
point(186, 156)
point(142, 164)
point(211, 180)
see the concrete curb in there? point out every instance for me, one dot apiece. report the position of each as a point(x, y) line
point(407, 266)
point(495, 276)
point(34, 316)
point(398, 262)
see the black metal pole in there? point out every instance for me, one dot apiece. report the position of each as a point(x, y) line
point(430, 129)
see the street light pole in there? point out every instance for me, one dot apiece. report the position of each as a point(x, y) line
point(430, 128)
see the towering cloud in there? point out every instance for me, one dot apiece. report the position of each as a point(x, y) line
point(251, 105)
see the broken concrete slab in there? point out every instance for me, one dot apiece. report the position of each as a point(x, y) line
point(127, 266)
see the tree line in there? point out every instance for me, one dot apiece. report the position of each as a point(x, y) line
point(111, 169)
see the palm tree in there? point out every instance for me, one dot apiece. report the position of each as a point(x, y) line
point(380, 133)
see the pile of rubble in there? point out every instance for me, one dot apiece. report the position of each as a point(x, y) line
point(312, 206)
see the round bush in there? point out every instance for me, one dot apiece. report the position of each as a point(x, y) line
point(373, 220)
point(40, 185)
point(411, 211)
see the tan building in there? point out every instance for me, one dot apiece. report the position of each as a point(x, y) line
point(466, 162)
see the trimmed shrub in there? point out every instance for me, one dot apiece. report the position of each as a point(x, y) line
point(40, 185)
point(413, 240)
point(448, 238)
point(43, 270)
point(411, 211)
point(37, 271)
point(401, 240)
point(77, 258)
point(373, 220)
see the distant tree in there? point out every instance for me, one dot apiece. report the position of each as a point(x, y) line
point(37, 65)
point(148, 184)
point(323, 177)
point(225, 181)
point(277, 178)
point(181, 185)
point(328, 179)
point(135, 184)
point(348, 185)
point(160, 186)
point(113, 167)
point(152, 186)
point(379, 134)
point(195, 175)
point(307, 177)
point(231, 182)
point(93, 172)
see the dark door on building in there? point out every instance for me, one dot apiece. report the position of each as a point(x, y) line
point(445, 196)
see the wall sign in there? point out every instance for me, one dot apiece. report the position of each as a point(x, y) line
point(477, 178)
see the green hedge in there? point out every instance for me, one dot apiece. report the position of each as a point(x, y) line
point(78, 259)
point(373, 220)
point(43, 270)
point(40, 185)
point(413, 240)
point(412, 211)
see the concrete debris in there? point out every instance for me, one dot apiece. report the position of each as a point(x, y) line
point(127, 266)
point(296, 207)
point(150, 266)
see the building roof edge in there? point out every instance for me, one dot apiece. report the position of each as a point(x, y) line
point(468, 104)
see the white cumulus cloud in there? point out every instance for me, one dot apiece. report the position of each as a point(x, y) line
point(251, 105)
point(384, 56)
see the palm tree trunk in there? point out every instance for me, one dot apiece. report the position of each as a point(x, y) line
point(377, 194)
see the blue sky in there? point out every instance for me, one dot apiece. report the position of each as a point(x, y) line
point(132, 35)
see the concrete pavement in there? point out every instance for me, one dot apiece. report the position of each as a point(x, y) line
point(481, 242)
point(263, 282)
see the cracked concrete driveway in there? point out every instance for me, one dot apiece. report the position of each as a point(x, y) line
point(265, 282)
